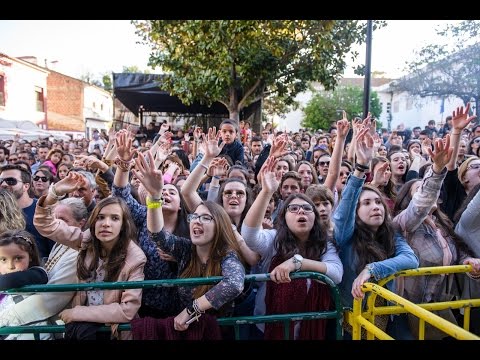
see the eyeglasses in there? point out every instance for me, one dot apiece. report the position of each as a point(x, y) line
point(43, 178)
point(323, 163)
point(476, 141)
point(229, 193)
point(473, 166)
point(10, 181)
point(295, 208)
point(202, 219)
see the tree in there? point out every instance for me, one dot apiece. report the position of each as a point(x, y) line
point(237, 62)
point(107, 81)
point(451, 67)
point(326, 106)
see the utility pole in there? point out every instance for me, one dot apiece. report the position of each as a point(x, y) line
point(368, 63)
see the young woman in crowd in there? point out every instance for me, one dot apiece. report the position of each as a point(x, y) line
point(298, 242)
point(107, 251)
point(430, 234)
point(369, 245)
point(211, 250)
point(158, 302)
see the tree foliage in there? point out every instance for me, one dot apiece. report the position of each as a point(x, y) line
point(451, 67)
point(326, 106)
point(237, 62)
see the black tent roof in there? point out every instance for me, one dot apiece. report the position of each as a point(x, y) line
point(136, 89)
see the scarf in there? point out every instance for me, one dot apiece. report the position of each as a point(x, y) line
point(293, 297)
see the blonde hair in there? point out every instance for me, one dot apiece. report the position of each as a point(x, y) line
point(463, 168)
point(11, 216)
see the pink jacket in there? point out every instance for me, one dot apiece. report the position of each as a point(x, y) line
point(120, 306)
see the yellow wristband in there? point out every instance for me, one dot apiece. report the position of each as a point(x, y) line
point(154, 203)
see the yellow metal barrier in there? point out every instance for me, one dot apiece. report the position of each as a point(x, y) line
point(359, 319)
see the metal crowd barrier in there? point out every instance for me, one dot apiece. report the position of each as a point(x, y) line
point(366, 319)
point(336, 314)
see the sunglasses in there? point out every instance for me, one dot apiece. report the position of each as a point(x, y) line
point(10, 181)
point(295, 208)
point(476, 141)
point(324, 163)
point(43, 178)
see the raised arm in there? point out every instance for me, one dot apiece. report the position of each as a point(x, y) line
point(189, 188)
point(270, 183)
point(343, 127)
point(152, 180)
point(344, 216)
point(460, 120)
point(125, 152)
point(427, 194)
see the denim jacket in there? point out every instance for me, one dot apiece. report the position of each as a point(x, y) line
point(344, 222)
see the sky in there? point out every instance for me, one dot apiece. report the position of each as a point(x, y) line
point(78, 47)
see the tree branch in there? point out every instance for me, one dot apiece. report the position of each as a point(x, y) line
point(249, 92)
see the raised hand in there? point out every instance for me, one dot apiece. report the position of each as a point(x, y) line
point(166, 137)
point(218, 167)
point(377, 142)
point(197, 133)
point(212, 149)
point(460, 118)
point(270, 178)
point(163, 129)
point(381, 175)
point(151, 178)
point(124, 146)
point(70, 183)
point(279, 144)
point(441, 154)
point(343, 126)
point(163, 151)
point(364, 147)
point(93, 163)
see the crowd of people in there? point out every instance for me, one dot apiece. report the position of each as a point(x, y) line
point(353, 202)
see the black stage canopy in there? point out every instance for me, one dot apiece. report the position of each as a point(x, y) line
point(137, 90)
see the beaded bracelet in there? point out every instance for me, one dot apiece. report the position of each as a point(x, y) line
point(123, 165)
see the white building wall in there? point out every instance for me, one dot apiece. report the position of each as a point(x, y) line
point(411, 111)
point(97, 108)
point(20, 82)
point(415, 111)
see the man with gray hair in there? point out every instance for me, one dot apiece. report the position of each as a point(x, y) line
point(86, 193)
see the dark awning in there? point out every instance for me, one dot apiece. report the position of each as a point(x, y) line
point(136, 89)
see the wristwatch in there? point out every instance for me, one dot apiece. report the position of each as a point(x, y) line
point(297, 261)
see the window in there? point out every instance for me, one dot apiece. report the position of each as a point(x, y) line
point(396, 106)
point(2, 90)
point(409, 105)
point(39, 98)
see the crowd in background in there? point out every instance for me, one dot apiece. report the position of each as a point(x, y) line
point(353, 202)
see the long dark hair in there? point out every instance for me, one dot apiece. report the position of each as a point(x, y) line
point(404, 198)
point(224, 240)
point(118, 254)
point(286, 242)
point(373, 246)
